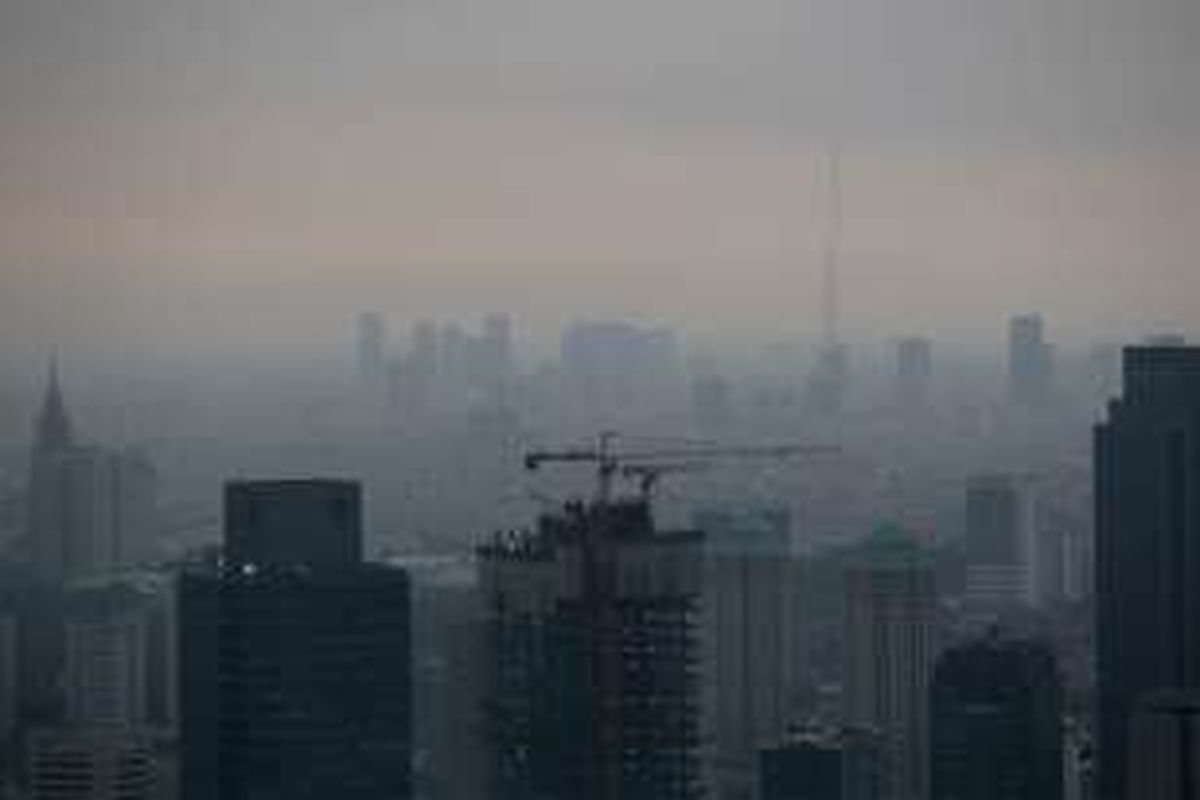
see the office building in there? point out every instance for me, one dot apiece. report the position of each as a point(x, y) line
point(371, 349)
point(814, 763)
point(70, 764)
point(592, 688)
point(1001, 552)
point(914, 371)
point(91, 509)
point(996, 722)
point(754, 635)
point(107, 658)
point(712, 403)
point(1030, 361)
point(1164, 757)
point(889, 640)
point(1147, 494)
point(294, 655)
point(801, 770)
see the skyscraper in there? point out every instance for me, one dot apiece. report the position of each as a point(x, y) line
point(1164, 752)
point(592, 693)
point(107, 642)
point(90, 765)
point(91, 509)
point(890, 643)
point(755, 633)
point(1000, 545)
point(914, 370)
point(1030, 361)
point(372, 344)
point(1147, 473)
point(996, 722)
point(295, 655)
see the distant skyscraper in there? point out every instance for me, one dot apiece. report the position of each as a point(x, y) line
point(496, 351)
point(996, 723)
point(91, 509)
point(1000, 545)
point(1147, 472)
point(712, 404)
point(295, 655)
point(914, 370)
point(889, 637)
point(1030, 361)
point(593, 693)
point(372, 347)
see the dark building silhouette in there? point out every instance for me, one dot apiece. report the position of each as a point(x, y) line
point(1164, 754)
point(1147, 492)
point(807, 770)
point(592, 692)
point(294, 655)
point(816, 764)
point(996, 723)
point(1030, 361)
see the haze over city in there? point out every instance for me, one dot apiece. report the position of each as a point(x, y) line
point(624, 400)
point(182, 179)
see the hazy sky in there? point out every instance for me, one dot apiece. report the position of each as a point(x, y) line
point(193, 174)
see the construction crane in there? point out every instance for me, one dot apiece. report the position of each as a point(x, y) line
point(648, 466)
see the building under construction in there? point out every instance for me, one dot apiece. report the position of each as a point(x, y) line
point(593, 692)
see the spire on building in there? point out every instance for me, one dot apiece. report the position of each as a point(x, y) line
point(53, 430)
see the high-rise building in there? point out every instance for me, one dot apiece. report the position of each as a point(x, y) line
point(9, 677)
point(890, 641)
point(592, 689)
point(712, 403)
point(1164, 753)
point(754, 634)
point(90, 765)
point(996, 722)
point(107, 658)
point(372, 347)
point(809, 769)
point(1030, 361)
point(91, 509)
point(1147, 492)
point(914, 370)
point(1000, 547)
point(294, 660)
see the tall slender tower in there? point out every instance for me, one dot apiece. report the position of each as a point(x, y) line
point(828, 383)
point(53, 430)
point(831, 279)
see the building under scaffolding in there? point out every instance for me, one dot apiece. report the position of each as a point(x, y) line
point(593, 689)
